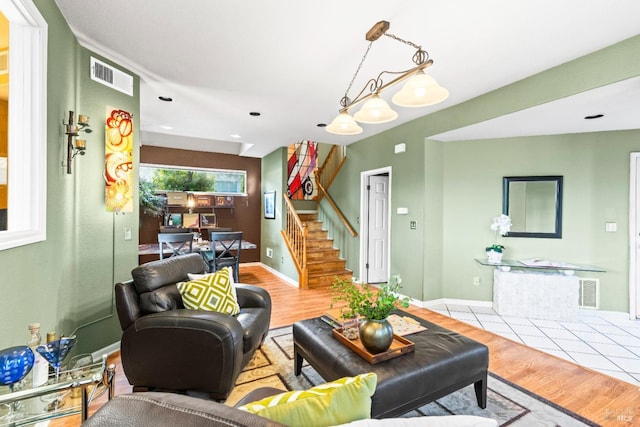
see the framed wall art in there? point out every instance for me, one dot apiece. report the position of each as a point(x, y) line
point(270, 204)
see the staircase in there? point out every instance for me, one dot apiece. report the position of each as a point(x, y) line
point(312, 251)
point(323, 260)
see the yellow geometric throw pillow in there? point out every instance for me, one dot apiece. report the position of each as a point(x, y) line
point(212, 292)
point(338, 402)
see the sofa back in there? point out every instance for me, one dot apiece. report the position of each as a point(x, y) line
point(153, 287)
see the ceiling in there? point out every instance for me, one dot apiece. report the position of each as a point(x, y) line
point(292, 60)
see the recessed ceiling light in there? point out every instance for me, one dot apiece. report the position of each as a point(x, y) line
point(322, 125)
point(593, 116)
point(236, 136)
point(165, 98)
point(254, 114)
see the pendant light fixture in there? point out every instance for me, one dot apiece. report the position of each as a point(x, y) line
point(419, 90)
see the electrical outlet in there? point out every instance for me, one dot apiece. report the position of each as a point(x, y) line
point(476, 281)
point(269, 253)
point(281, 260)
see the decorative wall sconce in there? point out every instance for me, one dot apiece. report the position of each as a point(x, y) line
point(420, 90)
point(72, 130)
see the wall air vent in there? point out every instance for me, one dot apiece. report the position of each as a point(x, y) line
point(111, 77)
point(589, 293)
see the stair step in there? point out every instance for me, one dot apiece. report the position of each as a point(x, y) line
point(325, 280)
point(319, 243)
point(322, 253)
point(313, 225)
point(317, 234)
point(308, 217)
point(322, 266)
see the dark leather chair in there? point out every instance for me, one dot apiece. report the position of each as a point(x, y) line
point(167, 347)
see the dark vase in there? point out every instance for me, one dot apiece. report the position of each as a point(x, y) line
point(376, 335)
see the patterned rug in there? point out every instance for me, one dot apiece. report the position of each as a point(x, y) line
point(510, 405)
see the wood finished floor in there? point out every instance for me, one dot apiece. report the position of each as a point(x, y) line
point(595, 396)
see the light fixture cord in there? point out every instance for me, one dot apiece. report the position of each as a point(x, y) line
point(419, 57)
point(345, 100)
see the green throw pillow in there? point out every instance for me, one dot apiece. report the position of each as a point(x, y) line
point(338, 402)
point(212, 292)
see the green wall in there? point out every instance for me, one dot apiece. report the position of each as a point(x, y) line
point(66, 282)
point(454, 189)
point(274, 178)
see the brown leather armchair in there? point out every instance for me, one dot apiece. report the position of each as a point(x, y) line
point(167, 347)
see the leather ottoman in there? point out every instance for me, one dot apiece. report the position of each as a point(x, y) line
point(443, 362)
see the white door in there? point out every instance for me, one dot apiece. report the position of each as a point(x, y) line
point(634, 227)
point(378, 229)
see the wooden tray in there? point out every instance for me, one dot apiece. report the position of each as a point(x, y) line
point(399, 346)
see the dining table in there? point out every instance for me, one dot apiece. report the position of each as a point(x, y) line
point(205, 245)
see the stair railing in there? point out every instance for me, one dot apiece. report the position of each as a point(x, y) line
point(295, 235)
point(325, 176)
point(335, 207)
point(330, 167)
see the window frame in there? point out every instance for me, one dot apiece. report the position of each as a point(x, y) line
point(27, 148)
point(198, 169)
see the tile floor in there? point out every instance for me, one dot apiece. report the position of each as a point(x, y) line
point(603, 341)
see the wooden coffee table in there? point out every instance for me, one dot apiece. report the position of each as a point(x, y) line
point(443, 362)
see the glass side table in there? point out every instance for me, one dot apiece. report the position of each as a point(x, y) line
point(77, 388)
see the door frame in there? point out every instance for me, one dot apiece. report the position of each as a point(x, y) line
point(634, 237)
point(364, 218)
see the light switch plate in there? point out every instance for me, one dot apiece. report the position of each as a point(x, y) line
point(611, 227)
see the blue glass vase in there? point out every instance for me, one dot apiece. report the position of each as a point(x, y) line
point(15, 364)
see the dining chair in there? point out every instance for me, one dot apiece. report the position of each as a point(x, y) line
point(179, 243)
point(226, 247)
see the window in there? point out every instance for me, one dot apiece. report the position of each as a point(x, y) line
point(27, 121)
point(196, 180)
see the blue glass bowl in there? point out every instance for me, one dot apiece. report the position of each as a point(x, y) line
point(15, 364)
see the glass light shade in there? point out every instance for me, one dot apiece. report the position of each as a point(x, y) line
point(420, 91)
point(344, 124)
point(375, 110)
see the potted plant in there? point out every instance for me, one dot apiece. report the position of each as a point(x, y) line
point(150, 203)
point(373, 305)
point(500, 225)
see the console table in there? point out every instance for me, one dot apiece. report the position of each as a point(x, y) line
point(34, 403)
point(544, 290)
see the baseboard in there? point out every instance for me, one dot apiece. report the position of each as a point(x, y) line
point(453, 301)
point(108, 350)
point(287, 279)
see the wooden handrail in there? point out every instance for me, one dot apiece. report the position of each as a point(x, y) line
point(335, 207)
point(330, 167)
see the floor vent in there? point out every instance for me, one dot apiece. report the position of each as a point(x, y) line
point(589, 293)
point(111, 77)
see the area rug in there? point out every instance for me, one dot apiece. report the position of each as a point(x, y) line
point(510, 405)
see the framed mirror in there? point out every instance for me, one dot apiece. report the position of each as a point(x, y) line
point(534, 204)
